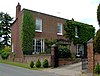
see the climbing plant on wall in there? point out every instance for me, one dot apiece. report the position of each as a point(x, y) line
point(84, 31)
point(27, 32)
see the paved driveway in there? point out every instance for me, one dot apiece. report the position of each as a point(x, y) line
point(8, 70)
point(67, 70)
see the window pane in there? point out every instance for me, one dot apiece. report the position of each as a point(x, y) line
point(38, 24)
point(37, 46)
point(59, 28)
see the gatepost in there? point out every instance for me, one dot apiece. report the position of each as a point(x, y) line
point(90, 56)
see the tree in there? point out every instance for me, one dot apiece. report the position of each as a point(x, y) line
point(5, 30)
point(97, 42)
point(98, 14)
point(97, 37)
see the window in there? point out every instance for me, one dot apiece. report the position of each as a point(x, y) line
point(38, 25)
point(38, 46)
point(76, 32)
point(79, 50)
point(59, 31)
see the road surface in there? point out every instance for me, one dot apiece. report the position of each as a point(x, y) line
point(8, 70)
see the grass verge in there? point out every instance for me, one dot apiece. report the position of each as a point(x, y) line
point(23, 65)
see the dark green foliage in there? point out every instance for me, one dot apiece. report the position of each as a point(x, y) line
point(5, 55)
point(48, 45)
point(85, 31)
point(45, 63)
point(5, 29)
point(38, 64)
point(64, 52)
point(98, 14)
point(97, 42)
point(97, 69)
point(31, 64)
point(27, 32)
point(5, 52)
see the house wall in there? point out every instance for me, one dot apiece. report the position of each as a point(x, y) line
point(49, 30)
point(15, 35)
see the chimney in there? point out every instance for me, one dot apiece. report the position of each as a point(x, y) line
point(18, 9)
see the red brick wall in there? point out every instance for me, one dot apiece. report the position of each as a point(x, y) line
point(97, 58)
point(15, 35)
point(29, 58)
point(49, 29)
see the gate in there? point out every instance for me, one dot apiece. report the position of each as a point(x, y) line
point(84, 63)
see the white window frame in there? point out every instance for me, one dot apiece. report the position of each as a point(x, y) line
point(79, 48)
point(38, 23)
point(12, 47)
point(35, 49)
point(59, 25)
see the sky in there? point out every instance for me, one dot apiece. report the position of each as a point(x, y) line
point(81, 10)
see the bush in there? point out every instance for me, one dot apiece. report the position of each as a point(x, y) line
point(97, 68)
point(64, 52)
point(5, 55)
point(38, 64)
point(45, 63)
point(6, 52)
point(7, 49)
point(31, 64)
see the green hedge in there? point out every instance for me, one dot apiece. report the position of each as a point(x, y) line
point(27, 32)
point(64, 52)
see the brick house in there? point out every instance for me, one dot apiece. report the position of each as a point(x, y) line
point(47, 27)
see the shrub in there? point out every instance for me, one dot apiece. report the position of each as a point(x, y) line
point(45, 63)
point(38, 64)
point(5, 55)
point(7, 49)
point(6, 52)
point(97, 68)
point(63, 52)
point(31, 64)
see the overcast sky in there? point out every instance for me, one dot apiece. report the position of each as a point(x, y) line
point(81, 10)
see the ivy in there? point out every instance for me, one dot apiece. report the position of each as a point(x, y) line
point(84, 31)
point(27, 32)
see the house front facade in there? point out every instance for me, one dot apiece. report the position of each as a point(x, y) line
point(46, 27)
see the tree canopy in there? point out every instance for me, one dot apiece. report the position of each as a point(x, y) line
point(98, 14)
point(5, 29)
point(97, 37)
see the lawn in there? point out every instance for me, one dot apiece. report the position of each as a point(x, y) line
point(23, 65)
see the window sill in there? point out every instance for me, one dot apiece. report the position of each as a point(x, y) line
point(38, 31)
point(59, 34)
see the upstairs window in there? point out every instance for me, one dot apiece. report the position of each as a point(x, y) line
point(59, 29)
point(38, 25)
